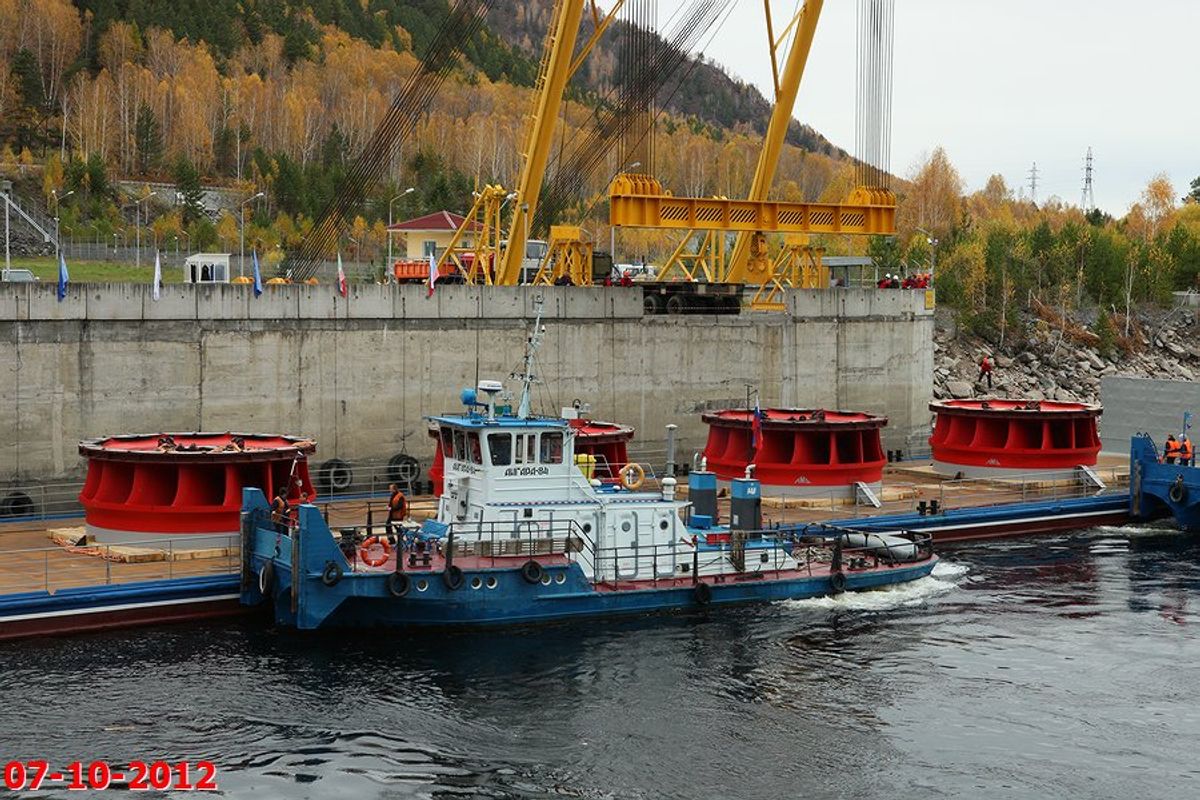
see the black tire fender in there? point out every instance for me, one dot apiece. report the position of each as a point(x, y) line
point(398, 584)
point(703, 593)
point(336, 474)
point(532, 571)
point(453, 578)
point(16, 504)
point(1179, 491)
point(403, 468)
point(837, 582)
point(332, 574)
point(266, 579)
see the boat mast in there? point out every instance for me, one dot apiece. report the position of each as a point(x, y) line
point(527, 377)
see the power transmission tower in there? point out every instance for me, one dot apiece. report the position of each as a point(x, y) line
point(1033, 175)
point(1089, 199)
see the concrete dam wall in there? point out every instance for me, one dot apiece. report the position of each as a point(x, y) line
point(359, 373)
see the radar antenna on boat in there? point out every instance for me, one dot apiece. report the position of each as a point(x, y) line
point(527, 377)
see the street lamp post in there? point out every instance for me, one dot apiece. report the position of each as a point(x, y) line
point(407, 191)
point(57, 202)
point(242, 233)
point(138, 215)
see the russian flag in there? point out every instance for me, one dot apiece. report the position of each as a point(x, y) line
point(433, 274)
point(341, 276)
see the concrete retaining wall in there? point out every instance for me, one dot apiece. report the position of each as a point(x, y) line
point(1145, 405)
point(359, 373)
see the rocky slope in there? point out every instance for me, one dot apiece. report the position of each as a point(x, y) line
point(1042, 362)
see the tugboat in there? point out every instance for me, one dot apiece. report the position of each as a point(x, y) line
point(523, 535)
point(1158, 488)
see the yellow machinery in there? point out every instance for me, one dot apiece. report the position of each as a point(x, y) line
point(475, 261)
point(559, 63)
point(641, 201)
point(569, 256)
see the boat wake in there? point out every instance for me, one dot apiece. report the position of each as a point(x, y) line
point(944, 579)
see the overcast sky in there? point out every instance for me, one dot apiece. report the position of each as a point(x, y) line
point(1001, 85)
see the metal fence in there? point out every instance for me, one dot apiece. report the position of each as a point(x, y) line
point(146, 559)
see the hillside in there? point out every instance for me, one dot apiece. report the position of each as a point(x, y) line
point(709, 94)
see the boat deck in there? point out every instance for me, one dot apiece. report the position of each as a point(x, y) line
point(31, 561)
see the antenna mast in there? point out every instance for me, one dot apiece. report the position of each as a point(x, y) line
point(1033, 175)
point(527, 377)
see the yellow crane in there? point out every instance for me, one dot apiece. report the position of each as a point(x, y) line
point(641, 201)
point(500, 260)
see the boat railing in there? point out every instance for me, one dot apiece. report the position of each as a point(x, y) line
point(754, 555)
point(56, 567)
point(483, 544)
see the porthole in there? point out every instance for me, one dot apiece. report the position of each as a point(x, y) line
point(664, 525)
point(546, 580)
point(422, 585)
point(476, 582)
point(491, 582)
point(625, 526)
point(587, 527)
point(560, 577)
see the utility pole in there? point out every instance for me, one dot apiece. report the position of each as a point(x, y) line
point(1089, 200)
point(407, 191)
point(5, 188)
point(242, 234)
point(138, 211)
point(1033, 176)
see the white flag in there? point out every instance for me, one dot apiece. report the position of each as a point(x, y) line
point(156, 292)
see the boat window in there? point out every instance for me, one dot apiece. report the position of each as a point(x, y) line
point(474, 450)
point(460, 446)
point(500, 449)
point(447, 443)
point(552, 448)
point(531, 448)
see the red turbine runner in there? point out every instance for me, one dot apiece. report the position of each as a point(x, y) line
point(799, 447)
point(990, 437)
point(186, 483)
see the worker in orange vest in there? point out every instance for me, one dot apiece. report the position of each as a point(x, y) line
point(1187, 456)
point(1171, 450)
point(397, 507)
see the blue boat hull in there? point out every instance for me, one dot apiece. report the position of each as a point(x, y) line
point(514, 602)
point(310, 585)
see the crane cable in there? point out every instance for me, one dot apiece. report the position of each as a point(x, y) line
point(408, 104)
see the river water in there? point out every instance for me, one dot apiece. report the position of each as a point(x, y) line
point(1063, 667)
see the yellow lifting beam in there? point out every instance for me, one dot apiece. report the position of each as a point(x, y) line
point(638, 201)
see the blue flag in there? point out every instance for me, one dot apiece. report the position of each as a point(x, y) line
point(63, 277)
point(257, 275)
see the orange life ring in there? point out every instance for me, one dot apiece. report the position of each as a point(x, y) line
point(632, 476)
point(365, 552)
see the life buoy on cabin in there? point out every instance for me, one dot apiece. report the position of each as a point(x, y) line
point(1179, 492)
point(632, 476)
point(375, 551)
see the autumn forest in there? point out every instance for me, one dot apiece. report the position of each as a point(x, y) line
point(100, 97)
